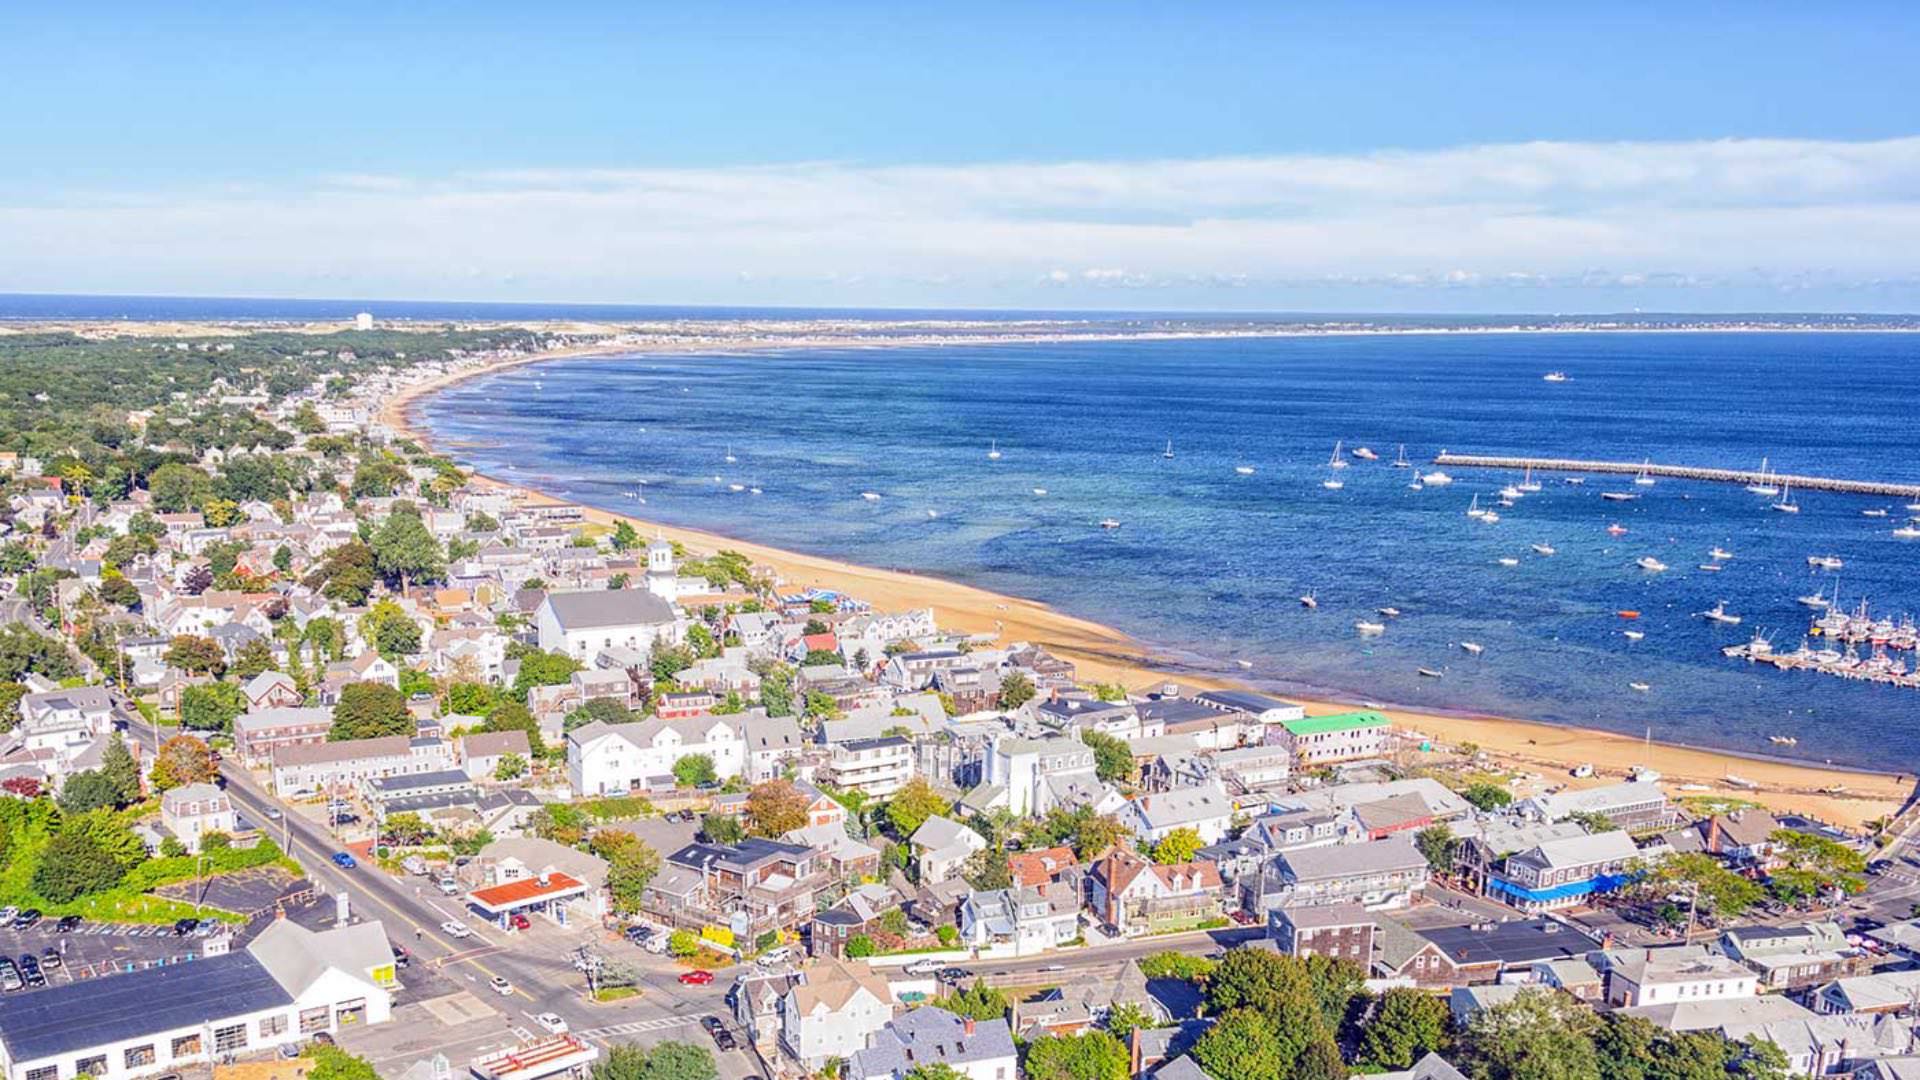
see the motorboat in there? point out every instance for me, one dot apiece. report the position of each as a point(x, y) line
point(1826, 562)
point(1389, 612)
point(870, 496)
point(1574, 481)
point(1554, 376)
point(1039, 491)
point(736, 487)
point(1616, 529)
point(1490, 517)
point(1628, 613)
point(1508, 560)
point(1618, 496)
point(1711, 567)
point(1649, 564)
point(1876, 512)
point(1333, 483)
point(1633, 635)
point(1473, 648)
point(933, 514)
point(1542, 549)
point(1907, 532)
point(1719, 553)
point(1428, 672)
point(753, 491)
point(1640, 686)
point(1364, 454)
point(1815, 601)
point(1308, 601)
point(1243, 470)
point(1511, 492)
point(1436, 479)
point(1366, 627)
point(1718, 613)
point(1109, 523)
point(1783, 740)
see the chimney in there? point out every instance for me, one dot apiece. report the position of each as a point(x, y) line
point(1713, 834)
point(969, 1028)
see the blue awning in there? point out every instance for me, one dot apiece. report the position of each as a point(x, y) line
point(1603, 883)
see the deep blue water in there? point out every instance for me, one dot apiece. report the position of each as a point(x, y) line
point(1209, 564)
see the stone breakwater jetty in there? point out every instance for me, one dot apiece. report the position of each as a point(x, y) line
point(1679, 472)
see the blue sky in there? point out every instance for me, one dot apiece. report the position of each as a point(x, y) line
point(1703, 156)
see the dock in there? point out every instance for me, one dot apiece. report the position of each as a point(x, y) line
point(1680, 472)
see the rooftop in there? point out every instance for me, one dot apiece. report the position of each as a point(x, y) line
point(70, 1017)
point(1322, 725)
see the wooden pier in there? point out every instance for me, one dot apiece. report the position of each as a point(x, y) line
point(1680, 472)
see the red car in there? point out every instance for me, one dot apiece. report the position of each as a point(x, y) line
point(520, 923)
point(700, 977)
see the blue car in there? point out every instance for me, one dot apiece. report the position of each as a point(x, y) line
point(343, 860)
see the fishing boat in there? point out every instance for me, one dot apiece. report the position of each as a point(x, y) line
point(1826, 562)
point(1109, 523)
point(1633, 635)
point(993, 450)
point(1616, 529)
point(1786, 505)
point(1527, 482)
point(1308, 601)
point(1554, 376)
point(1719, 553)
point(1400, 461)
point(1764, 485)
point(1718, 613)
point(1907, 532)
point(1243, 470)
point(1429, 673)
point(1366, 627)
point(1643, 479)
point(1436, 478)
point(1364, 454)
point(870, 496)
point(1336, 461)
point(1817, 601)
point(1542, 549)
point(1472, 647)
point(1618, 496)
point(1168, 452)
point(1389, 612)
point(1649, 564)
point(1508, 560)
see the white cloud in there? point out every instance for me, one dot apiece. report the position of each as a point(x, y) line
point(1713, 217)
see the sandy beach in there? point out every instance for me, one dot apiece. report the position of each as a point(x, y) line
point(1844, 797)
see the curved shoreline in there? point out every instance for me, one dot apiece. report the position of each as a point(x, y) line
point(1105, 654)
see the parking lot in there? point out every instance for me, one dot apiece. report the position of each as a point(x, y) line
point(94, 949)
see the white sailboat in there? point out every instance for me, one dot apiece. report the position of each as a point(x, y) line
point(1643, 479)
point(1401, 462)
point(1763, 486)
point(1473, 508)
point(1168, 453)
point(730, 459)
point(1786, 505)
point(1336, 461)
point(993, 450)
point(1527, 483)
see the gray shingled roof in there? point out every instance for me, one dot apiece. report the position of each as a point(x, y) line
point(609, 607)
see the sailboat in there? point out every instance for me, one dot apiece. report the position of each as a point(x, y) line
point(993, 450)
point(1763, 486)
point(1473, 508)
point(1308, 601)
point(730, 459)
point(1643, 479)
point(1786, 505)
point(1528, 483)
point(1401, 461)
point(1336, 461)
point(1543, 549)
point(1333, 483)
point(1168, 453)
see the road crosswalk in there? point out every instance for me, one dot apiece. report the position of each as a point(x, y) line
point(639, 1027)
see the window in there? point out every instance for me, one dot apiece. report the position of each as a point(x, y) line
point(273, 1026)
point(232, 1037)
point(139, 1056)
point(312, 1020)
point(92, 1066)
point(186, 1046)
point(44, 1072)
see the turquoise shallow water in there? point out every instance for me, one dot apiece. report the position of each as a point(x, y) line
point(1209, 563)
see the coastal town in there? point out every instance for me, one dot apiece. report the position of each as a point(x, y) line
point(315, 746)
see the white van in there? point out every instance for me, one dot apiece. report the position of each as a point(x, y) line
point(779, 954)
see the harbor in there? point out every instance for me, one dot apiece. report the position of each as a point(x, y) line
point(1681, 472)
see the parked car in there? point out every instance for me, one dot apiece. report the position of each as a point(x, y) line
point(521, 922)
point(553, 1022)
point(923, 967)
point(447, 886)
point(455, 928)
point(273, 813)
point(724, 1040)
point(955, 974)
point(8, 914)
point(697, 977)
point(68, 924)
point(401, 957)
point(344, 860)
point(26, 919)
point(51, 959)
point(639, 934)
point(501, 986)
point(183, 927)
point(10, 977)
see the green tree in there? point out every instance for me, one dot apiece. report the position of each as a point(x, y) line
point(178, 489)
point(332, 1063)
point(511, 767)
point(118, 766)
point(211, 706)
point(1812, 866)
point(182, 760)
point(631, 865)
point(1407, 1025)
point(912, 805)
point(513, 716)
point(694, 770)
point(860, 946)
point(1487, 796)
point(1716, 889)
point(1112, 758)
point(72, 866)
point(1126, 1017)
point(344, 575)
point(1539, 1035)
point(89, 790)
point(682, 943)
point(539, 668)
point(392, 631)
point(1015, 690)
point(407, 828)
point(370, 710)
point(776, 808)
point(624, 537)
point(935, 1070)
point(980, 1001)
point(254, 657)
point(1436, 842)
point(1242, 1045)
point(1095, 1055)
point(1178, 846)
point(988, 869)
point(404, 549)
point(196, 655)
point(722, 829)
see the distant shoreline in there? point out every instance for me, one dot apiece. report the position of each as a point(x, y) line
point(1106, 654)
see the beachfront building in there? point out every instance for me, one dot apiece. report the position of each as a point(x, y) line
point(1631, 804)
point(614, 759)
point(1566, 872)
point(1324, 740)
point(581, 624)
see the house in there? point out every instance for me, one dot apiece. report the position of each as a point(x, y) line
point(1315, 741)
point(942, 847)
point(1475, 953)
point(192, 811)
point(335, 766)
point(271, 690)
point(771, 742)
point(1830, 1045)
point(878, 767)
point(1379, 874)
point(1032, 773)
point(1430, 1067)
point(1742, 837)
point(1262, 707)
point(614, 759)
point(832, 1012)
point(287, 986)
point(482, 751)
point(858, 913)
point(1205, 809)
point(1041, 867)
point(580, 624)
point(1675, 973)
point(1133, 895)
point(1790, 957)
point(1563, 873)
point(1632, 804)
point(770, 885)
point(976, 1049)
point(1482, 845)
point(1253, 767)
point(1335, 931)
point(1881, 992)
point(1020, 921)
point(1572, 976)
point(258, 733)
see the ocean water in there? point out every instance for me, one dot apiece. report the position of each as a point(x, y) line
point(1208, 564)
